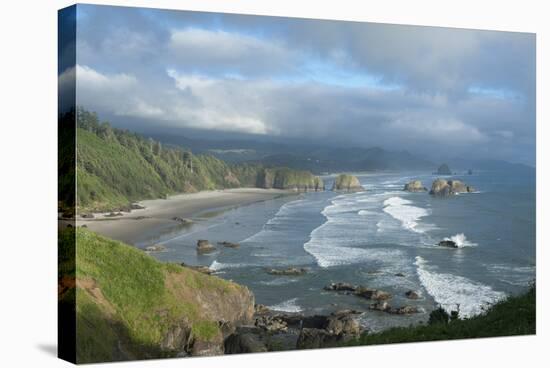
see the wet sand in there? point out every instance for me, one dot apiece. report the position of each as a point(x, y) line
point(158, 214)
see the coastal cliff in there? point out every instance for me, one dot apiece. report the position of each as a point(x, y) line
point(131, 306)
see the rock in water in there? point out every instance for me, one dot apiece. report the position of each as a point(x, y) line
point(444, 170)
point(448, 244)
point(291, 271)
point(444, 188)
point(229, 244)
point(340, 286)
point(411, 294)
point(372, 294)
point(347, 183)
point(204, 246)
point(155, 248)
point(415, 186)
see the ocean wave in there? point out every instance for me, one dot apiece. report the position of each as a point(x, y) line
point(451, 290)
point(279, 281)
point(461, 241)
point(283, 217)
point(403, 211)
point(288, 306)
point(364, 213)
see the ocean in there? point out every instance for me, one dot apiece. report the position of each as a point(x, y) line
point(370, 238)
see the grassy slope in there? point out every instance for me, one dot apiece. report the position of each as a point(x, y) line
point(513, 316)
point(125, 306)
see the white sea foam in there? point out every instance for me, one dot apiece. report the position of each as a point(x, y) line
point(364, 213)
point(217, 266)
point(452, 290)
point(403, 210)
point(289, 306)
point(283, 215)
point(461, 241)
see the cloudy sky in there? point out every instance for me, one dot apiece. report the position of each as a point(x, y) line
point(437, 92)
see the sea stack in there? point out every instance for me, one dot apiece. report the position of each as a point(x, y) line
point(415, 186)
point(347, 183)
point(204, 246)
point(444, 170)
point(444, 188)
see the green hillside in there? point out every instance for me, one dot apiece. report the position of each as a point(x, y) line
point(116, 167)
point(130, 306)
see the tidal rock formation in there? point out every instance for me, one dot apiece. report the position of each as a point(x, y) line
point(444, 188)
point(291, 271)
point(372, 294)
point(383, 306)
point(361, 291)
point(415, 186)
point(229, 244)
point(447, 243)
point(411, 294)
point(347, 183)
point(444, 170)
point(155, 248)
point(340, 286)
point(204, 246)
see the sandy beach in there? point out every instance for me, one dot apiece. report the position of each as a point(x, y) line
point(159, 214)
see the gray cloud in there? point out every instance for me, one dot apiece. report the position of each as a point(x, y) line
point(423, 89)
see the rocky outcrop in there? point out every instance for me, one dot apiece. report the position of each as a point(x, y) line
point(444, 170)
point(332, 330)
point(415, 186)
point(229, 244)
point(447, 243)
point(340, 286)
point(383, 306)
point(411, 294)
point(155, 248)
point(291, 271)
point(347, 183)
point(246, 339)
point(361, 291)
point(204, 246)
point(288, 179)
point(444, 188)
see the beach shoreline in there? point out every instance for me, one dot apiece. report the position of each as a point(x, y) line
point(173, 212)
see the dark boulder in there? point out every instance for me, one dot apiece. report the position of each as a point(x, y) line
point(229, 244)
point(411, 294)
point(204, 246)
point(447, 243)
